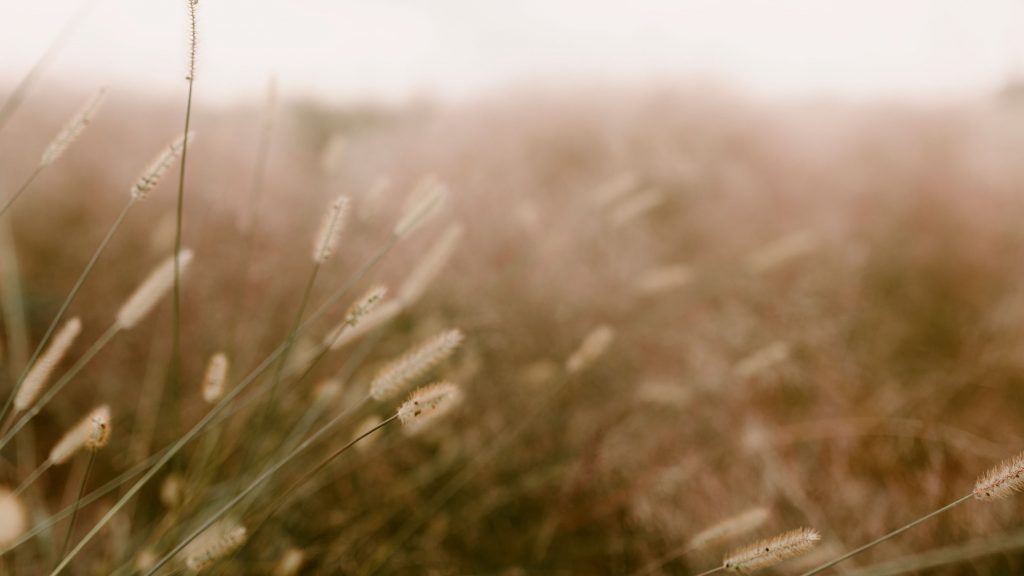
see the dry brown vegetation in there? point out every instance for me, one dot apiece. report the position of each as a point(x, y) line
point(838, 339)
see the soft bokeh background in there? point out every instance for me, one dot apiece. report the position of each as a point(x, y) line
point(801, 220)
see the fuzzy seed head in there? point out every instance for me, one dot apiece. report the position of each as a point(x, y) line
point(92, 432)
point(216, 543)
point(330, 230)
point(430, 265)
point(356, 312)
point(344, 334)
point(730, 528)
point(151, 176)
point(427, 405)
point(1002, 480)
point(153, 288)
point(429, 194)
point(215, 377)
point(391, 379)
point(73, 129)
point(594, 345)
point(771, 551)
point(290, 563)
point(13, 518)
point(41, 371)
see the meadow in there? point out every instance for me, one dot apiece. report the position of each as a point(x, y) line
point(624, 318)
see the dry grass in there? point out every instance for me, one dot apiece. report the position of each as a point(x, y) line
point(814, 309)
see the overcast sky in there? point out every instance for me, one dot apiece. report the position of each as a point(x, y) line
point(452, 49)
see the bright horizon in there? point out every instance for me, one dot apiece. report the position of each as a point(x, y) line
point(456, 49)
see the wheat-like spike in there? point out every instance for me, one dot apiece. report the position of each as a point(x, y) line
point(429, 194)
point(771, 551)
point(290, 563)
point(193, 39)
point(152, 289)
point(594, 345)
point(380, 315)
point(781, 251)
point(390, 380)
point(91, 432)
point(427, 404)
point(13, 518)
point(1002, 480)
point(41, 371)
point(730, 528)
point(207, 553)
point(430, 265)
point(151, 176)
point(360, 309)
point(330, 230)
point(663, 279)
point(72, 129)
point(215, 377)
point(762, 359)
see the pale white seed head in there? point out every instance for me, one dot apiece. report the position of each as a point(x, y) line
point(151, 176)
point(635, 206)
point(785, 249)
point(762, 360)
point(73, 129)
point(378, 317)
point(327, 391)
point(1003, 480)
point(663, 279)
point(771, 551)
point(217, 542)
point(41, 371)
point(290, 563)
point(594, 345)
point(330, 229)
point(360, 309)
point(91, 432)
point(153, 288)
point(172, 490)
point(430, 265)
point(395, 376)
point(730, 528)
point(426, 405)
point(13, 517)
point(215, 377)
point(429, 194)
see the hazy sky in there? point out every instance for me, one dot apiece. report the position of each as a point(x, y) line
point(397, 49)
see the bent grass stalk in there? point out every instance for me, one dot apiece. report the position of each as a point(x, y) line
point(1000, 481)
point(221, 405)
point(263, 477)
point(66, 304)
point(174, 370)
point(145, 183)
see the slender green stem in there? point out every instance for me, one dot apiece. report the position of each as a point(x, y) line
point(712, 571)
point(268, 402)
point(220, 406)
point(174, 370)
point(39, 471)
point(895, 532)
point(66, 304)
point(78, 503)
point(658, 563)
point(56, 388)
point(263, 478)
point(24, 186)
